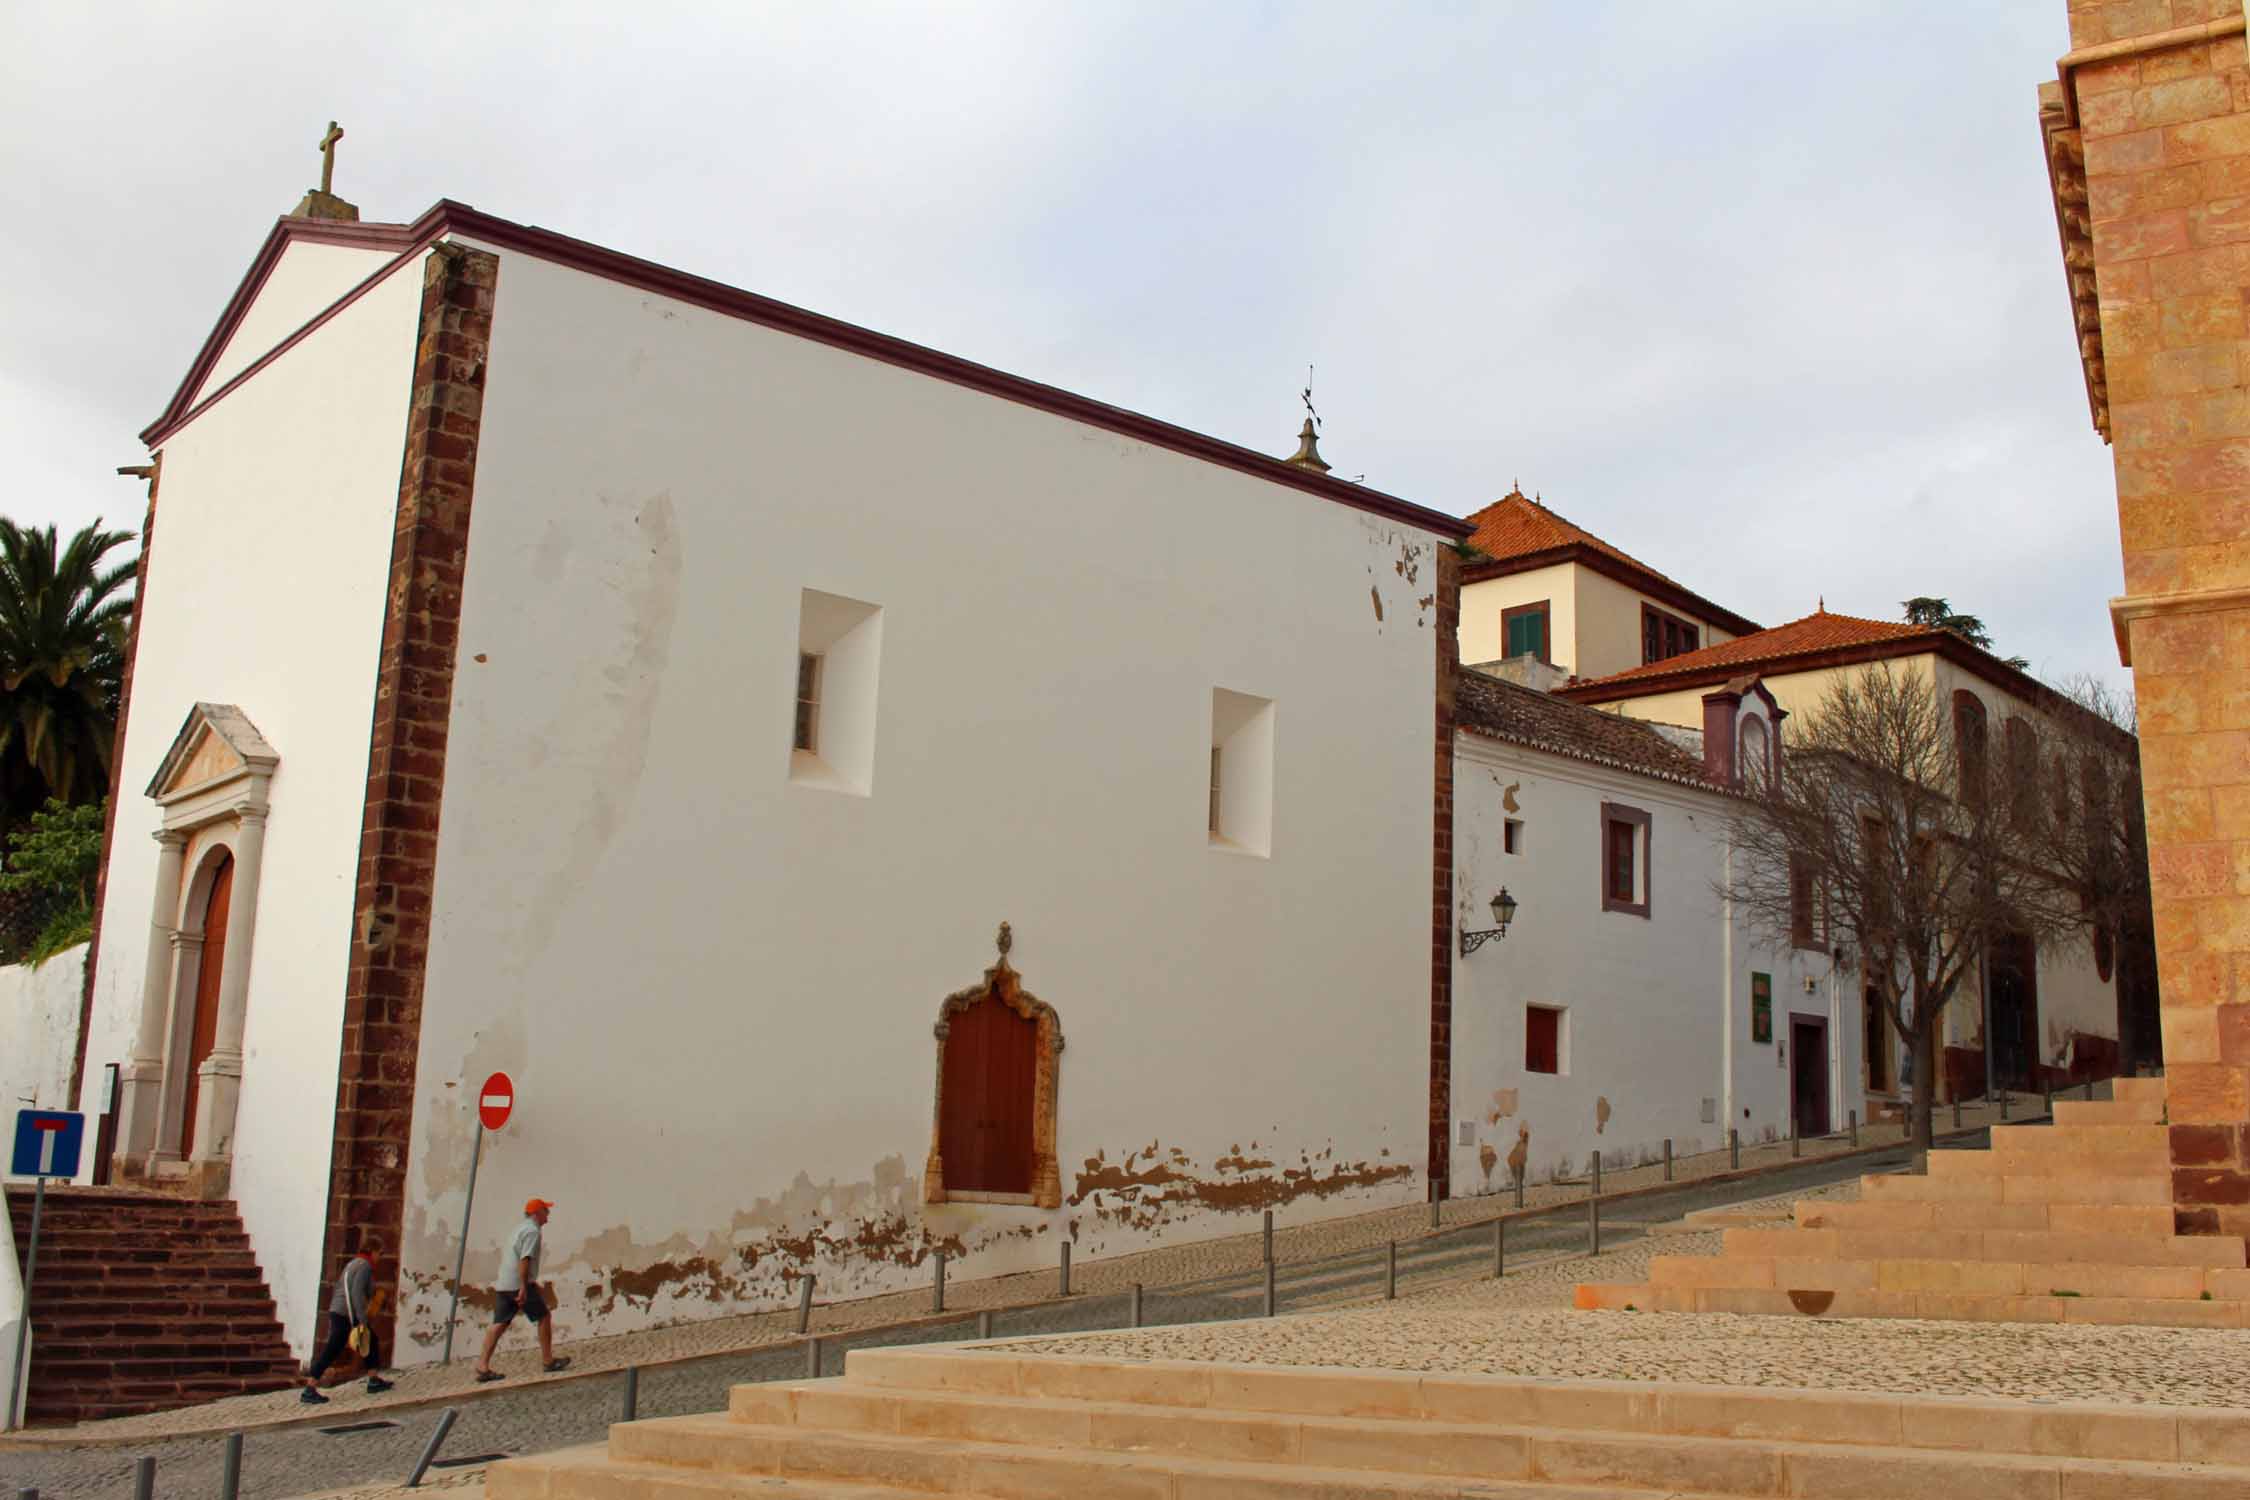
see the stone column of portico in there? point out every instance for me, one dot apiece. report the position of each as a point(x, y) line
point(141, 1091)
point(2148, 137)
point(220, 1077)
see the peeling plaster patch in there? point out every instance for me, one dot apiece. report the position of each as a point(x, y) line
point(1520, 1157)
point(1503, 1105)
point(1154, 1186)
point(1601, 1114)
point(1508, 795)
point(1488, 1159)
point(1376, 594)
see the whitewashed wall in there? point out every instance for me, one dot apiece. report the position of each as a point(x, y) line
point(1659, 1007)
point(39, 1035)
point(715, 988)
point(301, 285)
point(265, 590)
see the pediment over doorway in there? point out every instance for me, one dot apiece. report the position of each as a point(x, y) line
point(218, 744)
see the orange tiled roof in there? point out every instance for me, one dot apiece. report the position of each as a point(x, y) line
point(1810, 636)
point(1516, 525)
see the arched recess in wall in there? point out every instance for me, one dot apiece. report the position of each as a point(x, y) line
point(1971, 738)
point(198, 972)
point(992, 1120)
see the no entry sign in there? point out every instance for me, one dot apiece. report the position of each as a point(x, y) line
point(495, 1099)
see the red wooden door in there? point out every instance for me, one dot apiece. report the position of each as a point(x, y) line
point(984, 1129)
point(205, 1026)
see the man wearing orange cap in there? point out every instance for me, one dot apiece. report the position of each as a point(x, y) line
point(518, 1287)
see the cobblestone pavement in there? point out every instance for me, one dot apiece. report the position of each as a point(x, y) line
point(530, 1416)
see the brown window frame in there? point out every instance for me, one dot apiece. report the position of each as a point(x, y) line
point(1613, 814)
point(1972, 747)
point(1668, 633)
point(1804, 907)
point(1511, 835)
point(1546, 627)
point(1552, 1052)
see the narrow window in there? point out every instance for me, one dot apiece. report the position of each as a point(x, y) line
point(1511, 835)
point(1216, 778)
point(1523, 631)
point(2023, 771)
point(1877, 1042)
point(808, 703)
point(1626, 874)
point(1664, 636)
point(1802, 933)
point(1755, 765)
point(1542, 1039)
point(1969, 747)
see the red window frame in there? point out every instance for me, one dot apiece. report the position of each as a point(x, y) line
point(1542, 1039)
point(1626, 829)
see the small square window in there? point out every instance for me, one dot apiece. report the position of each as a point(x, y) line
point(1542, 1039)
point(1511, 835)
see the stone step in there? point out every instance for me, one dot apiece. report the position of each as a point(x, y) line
point(2025, 1246)
point(2081, 1140)
point(2138, 1090)
point(1958, 1307)
point(2024, 1187)
point(1981, 1278)
point(2041, 1158)
point(2092, 1218)
point(2109, 1112)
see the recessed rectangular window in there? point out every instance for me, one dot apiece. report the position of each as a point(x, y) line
point(1664, 635)
point(808, 702)
point(1626, 876)
point(1511, 835)
point(1803, 926)
point(1241, 794)
point(1523, 631)
point(839, 647)
point(1542, 1039)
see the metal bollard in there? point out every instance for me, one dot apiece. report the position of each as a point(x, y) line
point(1956, 1111)
point(2047, 1095)
point(230, 1468)
point(2003, 1104)
point(632, 1403)
point(1734, 1148)
point(804, 1304)
point(1593, 1226)
point(1596, 1189)
point(29, 1493)
point(445, 1423)
point(1272, 1301)
point(937, 1293)
point(984, 1324)
point(1796, 1139)
point(812, 1358)
point(1433, 1212)
point(1667, 1159)
point(1065, 1282)
point(1852, 1115)
point(1390, 1271)
point(1499, 1248)
point(2089, 1088)
point(144, 1479)
point(1136, 1319)
point(1519, 1188)
point(1269, 1236)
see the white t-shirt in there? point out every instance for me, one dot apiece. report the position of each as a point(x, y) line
point(525, 1246)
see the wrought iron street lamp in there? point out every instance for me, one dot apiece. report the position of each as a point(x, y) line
point(1503, 912)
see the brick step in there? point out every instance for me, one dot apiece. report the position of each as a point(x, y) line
point(1981, 1278)
point(106, 1236)
point(109, 1366)
point(2024, 1246)
point(140, 1397)
point(2081, 1218)
point(1953, 1307)
point(59, 1352)
point(76, 1328)
point(139, 1273)
point(2023, 1187)
point(187, 1261)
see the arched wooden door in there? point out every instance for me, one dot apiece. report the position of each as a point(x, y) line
point(204, 1027)
point(991, 1071)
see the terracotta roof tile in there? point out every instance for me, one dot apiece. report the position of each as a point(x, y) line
point(1501, 710)
point(1516, 525)
point(1811, 635)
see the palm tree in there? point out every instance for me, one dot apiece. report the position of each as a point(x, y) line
point(63, 616)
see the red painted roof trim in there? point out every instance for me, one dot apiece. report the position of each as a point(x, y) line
point(449, 218)
point(1653, 584)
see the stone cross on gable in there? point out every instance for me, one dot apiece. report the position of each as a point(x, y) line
point(328, 155)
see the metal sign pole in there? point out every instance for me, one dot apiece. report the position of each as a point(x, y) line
point(476, 1155)
point(16, 1391)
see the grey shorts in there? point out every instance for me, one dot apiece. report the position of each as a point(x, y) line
point(529, 1301)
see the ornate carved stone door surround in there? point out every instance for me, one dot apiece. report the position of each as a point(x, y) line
point(1002, 983)
point(212, 787)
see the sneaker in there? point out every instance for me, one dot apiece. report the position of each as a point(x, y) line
point(376, 1385)
point(310, 1397)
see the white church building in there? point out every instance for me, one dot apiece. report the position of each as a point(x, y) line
point(770, 743)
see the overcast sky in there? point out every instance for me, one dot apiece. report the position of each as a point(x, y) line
point(1767, 294)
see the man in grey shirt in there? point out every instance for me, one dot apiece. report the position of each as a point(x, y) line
point(351, 1307)
point(518, 1289)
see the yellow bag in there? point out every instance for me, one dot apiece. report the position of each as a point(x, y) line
point(361, 1339)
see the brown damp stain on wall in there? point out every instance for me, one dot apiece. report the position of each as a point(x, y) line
point(1503, 1106)
point(1155, 1185)
point(1601, 1114)
point(1520, 1157)
point(1487, 1158)
point(1376, 594)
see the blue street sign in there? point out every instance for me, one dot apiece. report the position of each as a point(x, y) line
point(47, 1142)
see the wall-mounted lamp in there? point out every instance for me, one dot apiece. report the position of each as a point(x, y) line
point(1503, 912)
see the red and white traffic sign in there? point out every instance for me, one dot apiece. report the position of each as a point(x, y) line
point(495, 1099)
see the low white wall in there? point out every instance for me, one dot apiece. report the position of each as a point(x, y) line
point(38, 1034)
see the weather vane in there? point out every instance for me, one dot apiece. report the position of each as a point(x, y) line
point(1307, 396)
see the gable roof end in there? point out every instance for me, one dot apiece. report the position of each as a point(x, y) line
point(1517, 534)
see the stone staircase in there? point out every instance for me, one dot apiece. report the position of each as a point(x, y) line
point(2068, 1223)
point(143, 1302)
point(990, 1422)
